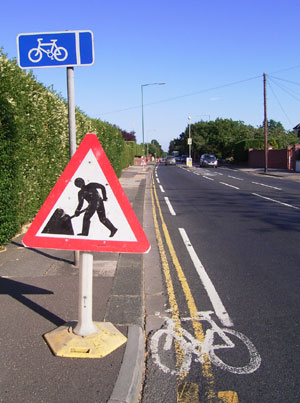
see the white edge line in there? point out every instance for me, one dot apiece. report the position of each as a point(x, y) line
point(208, 285)
point(276, 201)
point(172, 211)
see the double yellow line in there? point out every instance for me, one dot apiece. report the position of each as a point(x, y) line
point(186, 392)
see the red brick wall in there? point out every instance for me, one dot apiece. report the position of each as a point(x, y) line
point(277, 159)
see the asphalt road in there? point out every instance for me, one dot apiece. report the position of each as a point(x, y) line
point(236, 237)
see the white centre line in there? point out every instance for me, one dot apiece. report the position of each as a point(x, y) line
point(276, 201)
point(231, 186)
point(234, 177)
point(207, 283)
point(267, 186)
point(170, 206)
point(162, 189)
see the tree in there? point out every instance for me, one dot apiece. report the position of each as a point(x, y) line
point(154, 148)
point(227, 138)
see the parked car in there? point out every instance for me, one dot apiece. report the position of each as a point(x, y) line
point(170, 160)
point(183, 158)
point(208, 160)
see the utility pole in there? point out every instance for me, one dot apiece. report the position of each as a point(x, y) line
point(265, 122)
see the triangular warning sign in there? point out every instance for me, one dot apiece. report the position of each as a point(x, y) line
point(88, 209)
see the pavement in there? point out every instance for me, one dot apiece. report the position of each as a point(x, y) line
point(279, 173)
point(39, 292)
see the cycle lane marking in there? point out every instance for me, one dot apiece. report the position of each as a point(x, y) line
point(206, 367)
point(217, 304)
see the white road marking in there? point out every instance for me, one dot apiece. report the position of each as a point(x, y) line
point(162, 189)
point(158, 181)
point(208, 285)
point(267, 186)
point(231, 186)
point(206, 177)
point(172, 211)
point(234, 177)
point(276, 201)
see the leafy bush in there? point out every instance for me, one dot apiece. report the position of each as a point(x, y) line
point(34, 144)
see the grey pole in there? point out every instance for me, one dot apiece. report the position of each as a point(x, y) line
point(142, 86)
point(71, 110)
point(190, 146)
point(72, 127)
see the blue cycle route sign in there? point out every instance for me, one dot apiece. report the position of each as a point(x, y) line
point(55, 49)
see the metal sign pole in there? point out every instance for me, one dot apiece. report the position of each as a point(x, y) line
point(71, 110)
point(72, 127)
point(85, 325)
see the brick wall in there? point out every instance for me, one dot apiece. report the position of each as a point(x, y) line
point(277, 159)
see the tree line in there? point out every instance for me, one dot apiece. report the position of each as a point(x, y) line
point(229, 139)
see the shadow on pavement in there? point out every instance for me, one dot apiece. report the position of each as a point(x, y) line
point(16, 290)
point(43, 253)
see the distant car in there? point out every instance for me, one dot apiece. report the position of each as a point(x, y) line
point(183, 158)
point(170, 160)
point(208, 160)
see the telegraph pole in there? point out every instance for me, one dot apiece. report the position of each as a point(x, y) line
point(265, 122)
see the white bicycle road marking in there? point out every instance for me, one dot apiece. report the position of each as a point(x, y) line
point(206, 281)
point(267, 186)
point(164, 339)
point(172, 211)
point(276, 201)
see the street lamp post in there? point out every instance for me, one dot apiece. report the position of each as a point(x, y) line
point(190, 142)
point(142, 91)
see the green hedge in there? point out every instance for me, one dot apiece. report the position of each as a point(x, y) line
point(34, 144)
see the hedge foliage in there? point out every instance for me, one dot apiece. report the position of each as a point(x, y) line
point(34, 144)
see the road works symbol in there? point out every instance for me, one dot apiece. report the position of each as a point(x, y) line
point(87, 209)
point(216, 338)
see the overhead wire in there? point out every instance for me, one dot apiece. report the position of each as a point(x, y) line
point(186, 95)
point(208, 90)
point(281, 107)
point(289, 91)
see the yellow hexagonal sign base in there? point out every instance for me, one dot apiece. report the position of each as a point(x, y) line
point(64, 343)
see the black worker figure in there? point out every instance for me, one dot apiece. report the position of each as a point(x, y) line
point(90, 193)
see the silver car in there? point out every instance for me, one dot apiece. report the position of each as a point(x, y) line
point(208, 160)
point(170, 160)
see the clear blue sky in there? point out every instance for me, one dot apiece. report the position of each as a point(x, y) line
point(196, 46)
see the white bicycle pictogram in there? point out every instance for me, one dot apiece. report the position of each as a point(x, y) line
point(165, 338)
point(54, 52)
